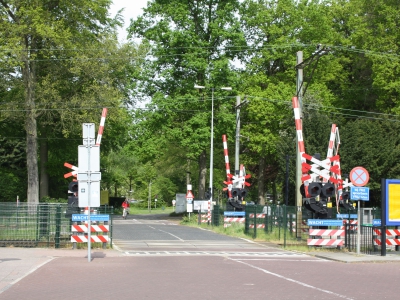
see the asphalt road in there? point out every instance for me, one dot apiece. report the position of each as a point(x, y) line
point(158, 259)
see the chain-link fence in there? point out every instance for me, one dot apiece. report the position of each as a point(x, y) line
point(42, 225)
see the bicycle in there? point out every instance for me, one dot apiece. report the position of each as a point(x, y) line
point(125, 212)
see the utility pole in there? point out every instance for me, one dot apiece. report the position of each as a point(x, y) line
point(312, 61)
point(149, 201)
point(237, 136)
point(287, 181)
point(299, 90)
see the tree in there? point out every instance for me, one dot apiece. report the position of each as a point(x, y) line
point(192, 42)
point(374, 145)
point(54, 77)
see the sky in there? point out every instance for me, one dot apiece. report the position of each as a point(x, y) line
point(133, 8)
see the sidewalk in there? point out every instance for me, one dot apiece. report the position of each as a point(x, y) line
point(16, 263)
point(351, 257)
point(345, 257)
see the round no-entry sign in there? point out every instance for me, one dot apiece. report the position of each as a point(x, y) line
point(359, 176)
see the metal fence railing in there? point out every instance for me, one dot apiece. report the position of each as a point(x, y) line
point(276, 220)
point(41, 225)
point(280, 223)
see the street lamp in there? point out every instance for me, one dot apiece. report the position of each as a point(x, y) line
point(212, 142)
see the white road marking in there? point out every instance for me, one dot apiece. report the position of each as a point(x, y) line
point(291, 280)
point(172, 235)
point(22, 277)
point(268, 259)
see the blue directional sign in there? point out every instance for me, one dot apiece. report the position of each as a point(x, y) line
point(376, 222)
point(346, 216)
point(319, 222)
point(234, 213)
point(359, 193)
point(97, 218)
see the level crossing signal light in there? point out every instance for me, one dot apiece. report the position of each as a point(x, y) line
point(316, 198)
point(236, 203)
point(345, 201)
point(73, 204)
point(208, 194)
point(239, 193)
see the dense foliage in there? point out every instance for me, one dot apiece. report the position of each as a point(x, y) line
point(60, 63)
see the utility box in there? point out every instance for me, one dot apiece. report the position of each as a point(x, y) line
point(180, 206)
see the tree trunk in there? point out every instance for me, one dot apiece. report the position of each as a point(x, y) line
point(28, 73)
point(44, 176)
point(261, 181)
point(202, 174)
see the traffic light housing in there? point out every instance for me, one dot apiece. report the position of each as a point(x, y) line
point(73, 187)
point(208, 194)
point(316, 205)
point(345, 201)
point(238, 192)
point(314, 189)
point(317, 198)
point(328, 190)
point(73, 204)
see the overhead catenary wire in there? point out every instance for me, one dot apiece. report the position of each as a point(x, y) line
point(255, 49)
point(168, 107)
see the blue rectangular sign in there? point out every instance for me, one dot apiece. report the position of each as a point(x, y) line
point(346, 216)
point(319, 222)
point(234, 213)
point(359, 193)
point(97, 218)
point(376, 222)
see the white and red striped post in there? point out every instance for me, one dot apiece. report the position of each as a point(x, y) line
point(332, 138)
point(227, 167)
point(101, 127)
point(241, 176)
point(331, 145)
point(299, 131)
point(339, 186)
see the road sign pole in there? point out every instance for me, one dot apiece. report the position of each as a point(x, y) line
point(358, 227)
point(89, 222)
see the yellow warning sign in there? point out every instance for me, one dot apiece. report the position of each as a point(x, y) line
point(393, 195)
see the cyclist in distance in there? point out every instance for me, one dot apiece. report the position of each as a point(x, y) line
point(125, 206)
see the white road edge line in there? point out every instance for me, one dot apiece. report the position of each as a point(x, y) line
point(292, 280)
point(30, 272)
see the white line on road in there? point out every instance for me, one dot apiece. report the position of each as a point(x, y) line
point(172, 235)
point(291, 280)
point(26, 274)
point(312, 260)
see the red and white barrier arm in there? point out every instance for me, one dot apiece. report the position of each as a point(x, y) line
point(227, 167)
point(73, 173)
point(101, 127)
point(299, 132)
